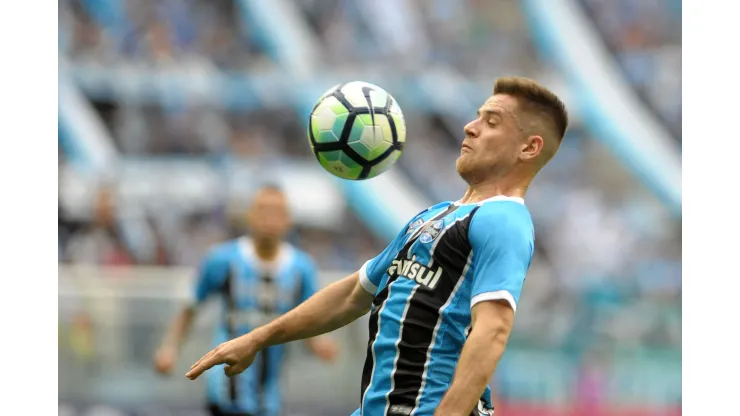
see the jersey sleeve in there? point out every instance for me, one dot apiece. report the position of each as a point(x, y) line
point(211, 276)
point(371, 273)
point(502, 238)
point(309, 280)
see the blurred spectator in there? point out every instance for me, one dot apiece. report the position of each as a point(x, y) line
point(160, 33)
point(645, 38)
point(599, 275)
point(99, 240)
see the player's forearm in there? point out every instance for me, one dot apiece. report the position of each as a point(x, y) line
point(180, 328)
point(331, 308)
point(480, 355)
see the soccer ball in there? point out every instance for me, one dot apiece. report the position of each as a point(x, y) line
point(356, 130)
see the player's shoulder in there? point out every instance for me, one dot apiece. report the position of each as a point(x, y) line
point(433, 208)
point(440, 205)
point(507, 214)
point(504, 208)
point(219, 256)
point(417, 220)
point(223, 251)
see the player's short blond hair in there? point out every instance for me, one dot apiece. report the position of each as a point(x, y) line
point(537, 101)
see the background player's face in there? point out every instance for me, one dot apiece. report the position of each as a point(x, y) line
point(491, 144)
point(268, 217)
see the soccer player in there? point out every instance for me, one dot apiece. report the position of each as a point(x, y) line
point(257, 279)
point(443, 294)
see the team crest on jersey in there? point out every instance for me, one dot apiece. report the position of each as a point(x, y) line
point(431, 232)
point(414, 226)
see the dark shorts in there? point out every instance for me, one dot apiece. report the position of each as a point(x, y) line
point(483, 409)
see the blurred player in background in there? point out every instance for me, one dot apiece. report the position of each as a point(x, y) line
point(257, 278)
point(443, 293)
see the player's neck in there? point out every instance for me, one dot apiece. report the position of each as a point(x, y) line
point(494, 187)
point(266, 250)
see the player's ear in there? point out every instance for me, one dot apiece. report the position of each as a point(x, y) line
point(531, 148)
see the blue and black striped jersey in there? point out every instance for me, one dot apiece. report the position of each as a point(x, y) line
point(252, 294)
point(448, 258)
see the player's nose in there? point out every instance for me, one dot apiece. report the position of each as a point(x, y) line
point(471, 130)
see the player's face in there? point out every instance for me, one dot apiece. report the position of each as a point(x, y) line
point(491, 144)
point(268, 216)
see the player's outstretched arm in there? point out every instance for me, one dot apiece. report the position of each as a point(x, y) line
point(492, 322)
point(331, 308)
point(166, 356)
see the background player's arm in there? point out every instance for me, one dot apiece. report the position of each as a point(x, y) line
point(211, 276)
point(179, 328)
point(502, 242)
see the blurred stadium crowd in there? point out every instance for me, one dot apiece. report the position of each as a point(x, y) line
point(606, 277)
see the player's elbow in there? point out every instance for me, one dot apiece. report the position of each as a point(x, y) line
point(495, 334)
point(500, 335)
point(494, 321)
point(346, 299)
point(358, 304)
point(359, 299)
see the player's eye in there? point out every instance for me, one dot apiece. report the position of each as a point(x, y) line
point(492, 123)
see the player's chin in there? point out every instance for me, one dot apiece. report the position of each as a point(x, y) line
point(268, 236)
point(462, 165)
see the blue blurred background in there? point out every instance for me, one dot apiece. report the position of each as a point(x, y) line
point(172, 111)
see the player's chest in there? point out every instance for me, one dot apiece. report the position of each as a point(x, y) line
point(449, 224)
point(435, 253)
point(264, 286)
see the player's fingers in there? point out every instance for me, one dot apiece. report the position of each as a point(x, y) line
point(233, 370)
point(197, 363)
point(204, 364)
point(197, 371)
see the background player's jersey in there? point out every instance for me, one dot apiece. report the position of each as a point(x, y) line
point(425, 282)
point(252, 293)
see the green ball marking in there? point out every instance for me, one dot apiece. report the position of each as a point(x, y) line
point(370, 135)
point(326, 136)
point(339, 164)
point(337, 107)
point(366, 119)
point(385, 164)
point(349, 163)
point(339, 124)
point(371, 140)
point(314, 128)
point(328, 157)
point(366, 140)
point(356, 133)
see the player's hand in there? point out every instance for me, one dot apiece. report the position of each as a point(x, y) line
point(165, 359)
point(325, 349)
point(238, 354)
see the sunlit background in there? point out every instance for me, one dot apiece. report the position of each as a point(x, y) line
point(172, 111)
